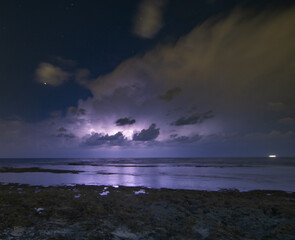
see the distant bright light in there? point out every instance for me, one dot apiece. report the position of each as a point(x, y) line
point(128, 133)
point(272, 156)
point(45, 83)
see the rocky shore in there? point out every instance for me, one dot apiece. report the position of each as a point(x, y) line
point(98, 212)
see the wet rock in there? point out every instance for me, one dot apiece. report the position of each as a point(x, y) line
point(201, 230)
point(123, 233)
point(141, 191)
point(17, 231)
point(104, 193)
point(55, 213)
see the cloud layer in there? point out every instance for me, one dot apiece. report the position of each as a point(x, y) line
point(236, 66)
point(98, 139)
point(193, 119)
point(241, 66)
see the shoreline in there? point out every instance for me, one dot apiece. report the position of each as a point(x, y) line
point(36, 169)
point(139, 186)
point(106, 212)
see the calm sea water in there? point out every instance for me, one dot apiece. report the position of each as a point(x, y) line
point(200, 174)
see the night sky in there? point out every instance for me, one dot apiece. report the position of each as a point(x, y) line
point(151, 78)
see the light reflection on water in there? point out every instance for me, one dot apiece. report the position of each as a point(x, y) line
point(244, 174)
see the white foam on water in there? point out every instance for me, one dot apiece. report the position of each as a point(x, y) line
point(104, 193)
point(141, 191)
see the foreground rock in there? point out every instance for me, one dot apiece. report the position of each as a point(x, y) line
point(98, 212)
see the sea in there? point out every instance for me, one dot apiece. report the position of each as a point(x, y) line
point(210, 174)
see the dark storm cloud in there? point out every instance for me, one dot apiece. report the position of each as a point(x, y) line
point(147, 134)
point(170, 94)
point(62, 129)
point(98, 139)
point(193, 119)
point(66, 135)
point(174, 138)
point(208, 115)
point(81, 111)
point(125, 121)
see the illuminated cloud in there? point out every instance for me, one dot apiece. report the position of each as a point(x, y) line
point(241, 66)
point(47, 73)
point(235, 66)
point(125, 121)
point(148, 20)
point(204, 59)
point(147, 134)
point(130, 77)
point(98, 139)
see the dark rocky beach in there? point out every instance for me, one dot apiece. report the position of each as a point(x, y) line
point(98, 212)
